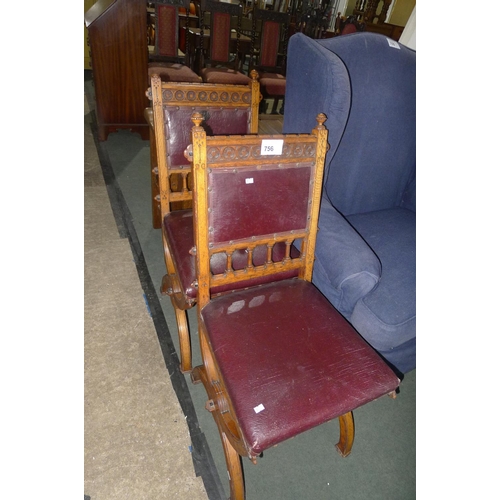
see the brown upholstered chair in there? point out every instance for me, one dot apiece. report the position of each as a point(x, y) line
point(269, 52)
point(166, 59)
point(278, 358)
point(228, 109)
point(220, 63)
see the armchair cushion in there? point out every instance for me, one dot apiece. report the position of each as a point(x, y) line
point(345, 264)
point(387, 315)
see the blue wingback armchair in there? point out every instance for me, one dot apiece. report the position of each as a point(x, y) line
point(365, 252)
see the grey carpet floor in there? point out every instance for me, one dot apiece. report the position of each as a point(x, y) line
point(382, 463)
point(137, 443)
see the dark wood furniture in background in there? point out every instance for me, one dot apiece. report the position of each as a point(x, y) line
point(220, 63)
point(268, 57)
point(366, 12)
point(195, 52)
point(119, 59)
point(390, 30)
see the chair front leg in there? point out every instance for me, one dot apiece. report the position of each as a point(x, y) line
point(170, 286)
point(346, 441)
point(184, 338)
point(234, 470)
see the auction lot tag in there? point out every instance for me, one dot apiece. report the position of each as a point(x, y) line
point(259, 408)
point(271, 147)
point(393, 43)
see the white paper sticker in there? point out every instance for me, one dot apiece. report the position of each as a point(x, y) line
point(249, 180)
point(393, 43)
point(271, 147)
point(259, 408)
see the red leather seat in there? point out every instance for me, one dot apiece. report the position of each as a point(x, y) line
point(302, 366)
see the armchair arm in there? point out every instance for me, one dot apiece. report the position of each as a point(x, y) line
point(346, 268)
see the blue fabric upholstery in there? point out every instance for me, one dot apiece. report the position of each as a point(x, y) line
point(365, 251)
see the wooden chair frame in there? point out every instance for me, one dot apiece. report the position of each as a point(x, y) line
point(173, 54)
point(219, 403)
point(228, 154)
point(171, 184)
point(188, 95)
point(166, 56)
point(222, 63)
point(216, 55)
point(262, 17)
point(268, 53)
point(298, 149)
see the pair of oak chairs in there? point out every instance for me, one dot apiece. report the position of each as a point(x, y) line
point(277, 357)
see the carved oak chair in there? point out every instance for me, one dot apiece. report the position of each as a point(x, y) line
point(166, 59)
point(221, 64)
point(278, 358)
point(242, 103)
point(269, 41)
point(228, 109)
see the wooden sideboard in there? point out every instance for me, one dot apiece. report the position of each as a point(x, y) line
point(119, 61)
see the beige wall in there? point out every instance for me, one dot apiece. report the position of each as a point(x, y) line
point(409, 35)
point(86, 55)
point(350, 7)
point(401, 11)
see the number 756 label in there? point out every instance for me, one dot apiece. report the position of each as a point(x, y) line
point(271, 147)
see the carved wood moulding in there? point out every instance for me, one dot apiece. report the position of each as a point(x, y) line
point(206, 96)
point(220, 154)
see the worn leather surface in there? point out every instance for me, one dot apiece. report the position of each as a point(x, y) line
point(178, 227)
point(247, 192)
point(217, 121)
point(290, 361)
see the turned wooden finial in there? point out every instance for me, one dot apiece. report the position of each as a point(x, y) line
point(197, 118)
point(254, 75)
point(321, 118)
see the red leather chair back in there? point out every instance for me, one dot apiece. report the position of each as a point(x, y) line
point(218, 121)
